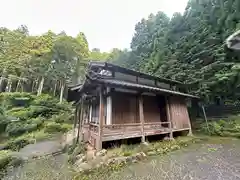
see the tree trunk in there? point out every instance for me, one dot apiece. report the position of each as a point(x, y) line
point(61, 92)
point(55, 88)
point(18, 84)
point(33, 84)
point(40, 87)
point(2, 78)
point(9, 86)
point(22, 86)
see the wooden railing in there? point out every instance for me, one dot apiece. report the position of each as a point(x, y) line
point(158, 125)
point(93, 128)
point(121, 128)
point(135, 127)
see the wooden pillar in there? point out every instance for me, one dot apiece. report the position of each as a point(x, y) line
point(101, 119)
point(169, 117)
point(90, 113)
point(75, 120)
point(189, 122)
point(141, 116)
point(109, 108)
point(80, 120)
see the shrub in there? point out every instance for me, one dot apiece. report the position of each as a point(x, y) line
point(61, 118)
point(16, 99)
point(224, 127)
point(38, 121)
point(18, 128)
point(75, 150)
point(38, 135)
point(45, 100)
point(3, 123)
point(5, 158)
point(21, 113)
point(56, 127)
point(18, 143)
point(42, 111)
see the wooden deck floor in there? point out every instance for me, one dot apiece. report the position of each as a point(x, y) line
point(126, 131)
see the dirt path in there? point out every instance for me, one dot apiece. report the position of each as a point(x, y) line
point(210, 161)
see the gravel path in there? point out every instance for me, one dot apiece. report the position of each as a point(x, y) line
point(210, 161)
point(40, 149)
point(48, 168)
point(213, 160)
point(35, 167)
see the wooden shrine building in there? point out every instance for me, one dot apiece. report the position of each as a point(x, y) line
point(116, 103)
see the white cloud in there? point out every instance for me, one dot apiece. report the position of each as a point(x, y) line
point(106, 23)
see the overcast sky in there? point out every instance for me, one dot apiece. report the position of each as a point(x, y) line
point(106, 23)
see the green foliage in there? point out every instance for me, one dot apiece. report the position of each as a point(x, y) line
point(190, 48)
point(74, 150)
point(7, 159)
point(61, 118)
point(20, 113)
point(52, 127)
point(44, 100)
point(225, 127)
point(26, 60)
point(16, 99)
point(18, 143)
point(3, 120)
point(37, 119)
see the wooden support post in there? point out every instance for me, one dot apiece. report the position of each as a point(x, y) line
point(109, 108)
point(141, 116)
point(80, 120)
point(101, 119)
point(75, 120)
point(169, 118)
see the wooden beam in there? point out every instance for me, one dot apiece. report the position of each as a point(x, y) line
point(141, 116)
point(101, 119)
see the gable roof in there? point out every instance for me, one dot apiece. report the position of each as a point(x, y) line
point(116, 68)
point(135, 86)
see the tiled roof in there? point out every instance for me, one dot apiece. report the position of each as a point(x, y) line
point(120, 83)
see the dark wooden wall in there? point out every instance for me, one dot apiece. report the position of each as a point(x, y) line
point(151, 109)
point(179, 112)
point(124, 108)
